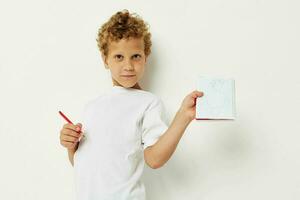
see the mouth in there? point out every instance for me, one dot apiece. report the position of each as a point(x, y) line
point(128, 75)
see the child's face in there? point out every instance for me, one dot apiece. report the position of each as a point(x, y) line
point(126, 57)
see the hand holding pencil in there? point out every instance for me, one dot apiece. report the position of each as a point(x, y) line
point(70, 134)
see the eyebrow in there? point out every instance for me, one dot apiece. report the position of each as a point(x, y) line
point(114, 54)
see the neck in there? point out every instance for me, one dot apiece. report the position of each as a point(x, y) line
point(136, 86)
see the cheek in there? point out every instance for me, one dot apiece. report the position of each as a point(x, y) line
point(140, 69)
point(115, 70)
point(140, 63)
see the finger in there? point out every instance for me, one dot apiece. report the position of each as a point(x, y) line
point(70, 132)
point(70, 126)
point(68, 145)
point(76, 129)
point(197, 93)
point(68, 138)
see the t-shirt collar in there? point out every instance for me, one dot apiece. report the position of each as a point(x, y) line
point(121, 88)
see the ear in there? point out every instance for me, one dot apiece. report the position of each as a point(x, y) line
point(104, 60)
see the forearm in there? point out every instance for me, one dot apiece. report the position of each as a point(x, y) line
point(166, 145)
point(71, 153)
point(71, 156)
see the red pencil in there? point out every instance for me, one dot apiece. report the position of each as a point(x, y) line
point(67, 119)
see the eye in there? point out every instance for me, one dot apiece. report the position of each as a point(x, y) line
point(136, 56)
point(118, 57)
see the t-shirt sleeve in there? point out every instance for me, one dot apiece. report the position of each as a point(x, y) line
point(153, 123)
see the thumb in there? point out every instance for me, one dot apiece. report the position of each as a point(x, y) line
point(79, 125)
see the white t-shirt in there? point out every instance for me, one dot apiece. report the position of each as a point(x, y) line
point(118, 126)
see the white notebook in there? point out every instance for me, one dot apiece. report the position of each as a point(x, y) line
point(218, 101)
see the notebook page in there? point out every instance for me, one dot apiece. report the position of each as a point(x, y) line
point(218, 101)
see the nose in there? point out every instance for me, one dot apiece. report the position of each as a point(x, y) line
point(128, 65)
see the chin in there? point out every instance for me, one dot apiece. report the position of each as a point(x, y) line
point(126, 82)
point(129, 85)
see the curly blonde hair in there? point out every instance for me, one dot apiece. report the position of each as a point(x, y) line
point(123, 25)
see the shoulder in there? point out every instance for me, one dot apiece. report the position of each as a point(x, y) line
point(151, 97)
point(152, 101)
point(147, 94)
point(93, 102)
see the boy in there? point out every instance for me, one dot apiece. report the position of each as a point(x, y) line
point(123, 126)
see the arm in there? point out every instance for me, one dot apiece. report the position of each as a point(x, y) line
point(159, 153)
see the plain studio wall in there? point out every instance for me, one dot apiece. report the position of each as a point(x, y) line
point(49, 61)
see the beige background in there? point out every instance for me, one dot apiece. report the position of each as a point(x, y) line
point(49, 61)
